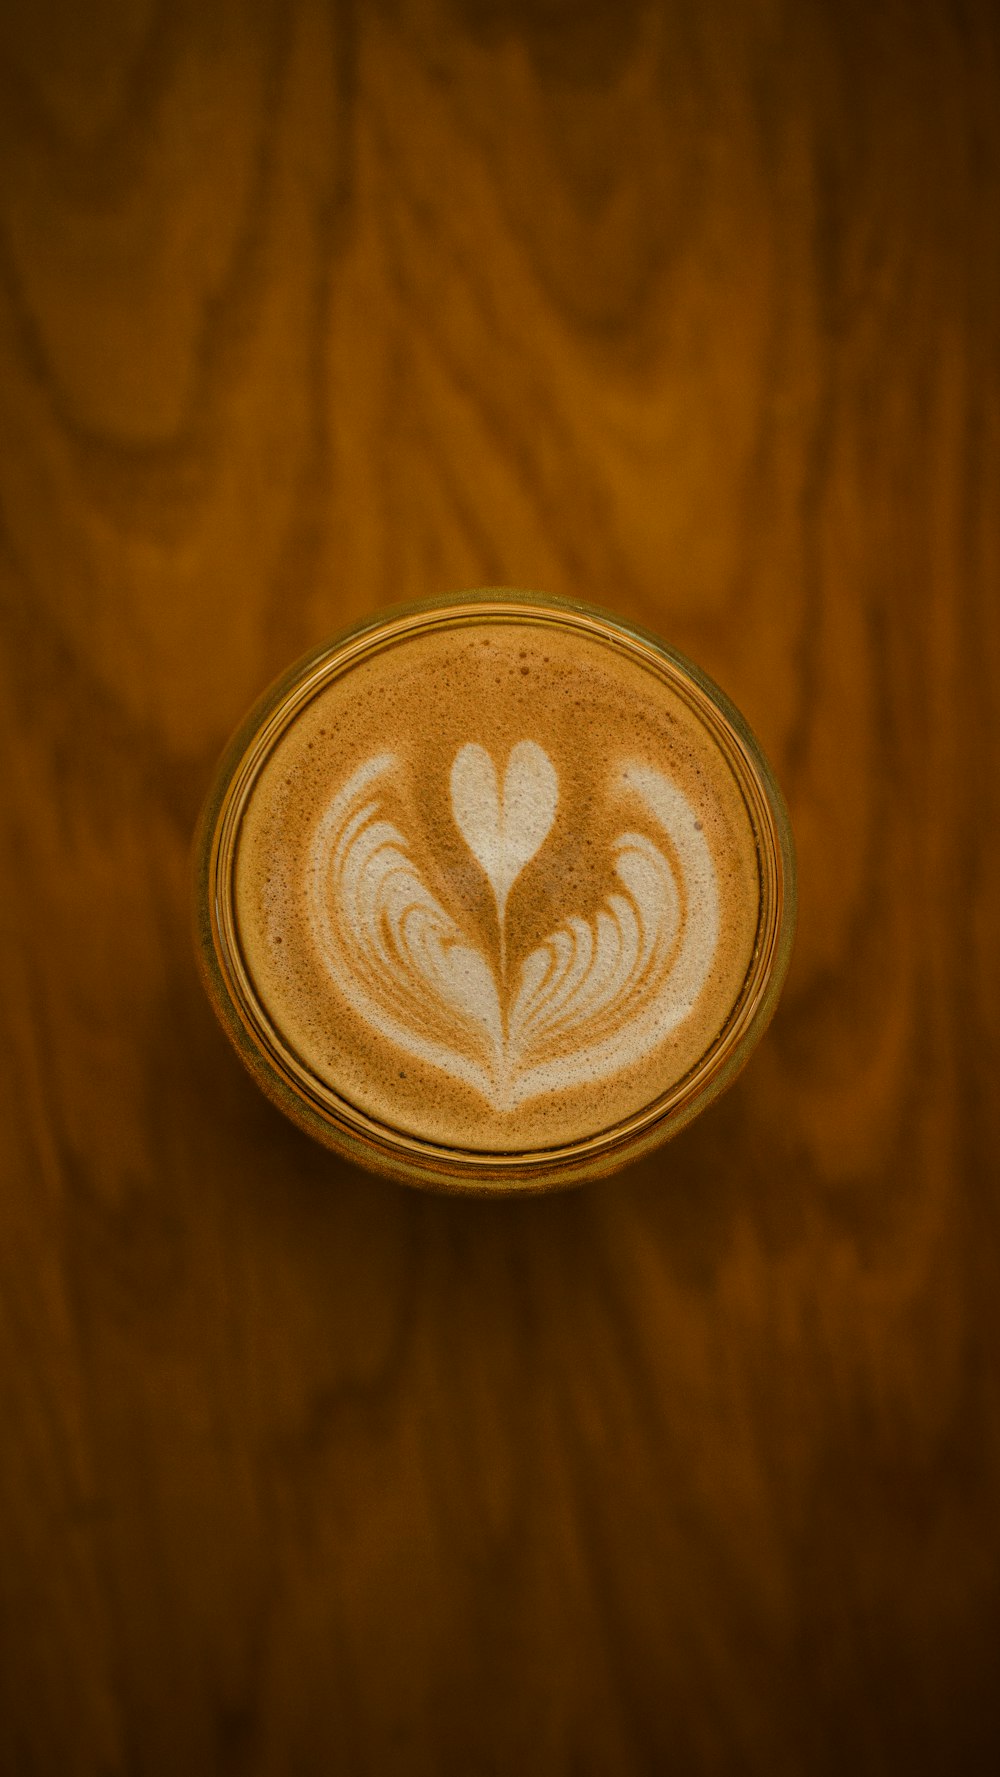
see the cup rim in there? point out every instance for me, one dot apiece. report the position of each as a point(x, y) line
point(326, 1114)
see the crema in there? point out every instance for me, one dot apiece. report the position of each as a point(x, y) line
point(497, 883)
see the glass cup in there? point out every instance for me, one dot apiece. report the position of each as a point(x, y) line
point(314, 1102)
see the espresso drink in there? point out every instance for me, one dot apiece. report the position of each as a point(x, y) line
point(496, 886)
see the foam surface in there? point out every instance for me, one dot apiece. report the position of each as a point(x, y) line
point(498, 887)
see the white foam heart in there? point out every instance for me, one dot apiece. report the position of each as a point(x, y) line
point(504, 832)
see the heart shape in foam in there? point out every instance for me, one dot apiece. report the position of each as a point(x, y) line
point(504, 832)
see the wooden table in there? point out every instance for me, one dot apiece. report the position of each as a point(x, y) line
point(691, 311)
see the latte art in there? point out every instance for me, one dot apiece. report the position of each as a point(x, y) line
point(591, 998)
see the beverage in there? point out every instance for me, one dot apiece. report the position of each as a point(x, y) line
point(494, 893)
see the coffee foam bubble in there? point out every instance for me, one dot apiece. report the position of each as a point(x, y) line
point(498, 887)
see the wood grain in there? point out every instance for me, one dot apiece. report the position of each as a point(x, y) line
point(690, 311)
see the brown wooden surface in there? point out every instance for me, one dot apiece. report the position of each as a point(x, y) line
point(691, 311)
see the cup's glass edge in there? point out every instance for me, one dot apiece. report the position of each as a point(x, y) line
point(472, 1175)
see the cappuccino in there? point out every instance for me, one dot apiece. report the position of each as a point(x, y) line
point(498, 882)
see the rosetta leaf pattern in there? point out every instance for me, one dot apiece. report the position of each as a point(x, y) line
point(590, 999)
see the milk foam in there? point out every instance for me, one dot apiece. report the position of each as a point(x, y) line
point(594, 997)
point(498, 889)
